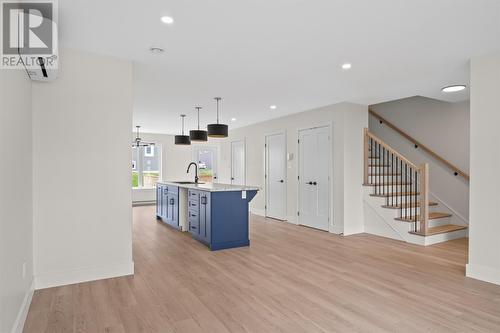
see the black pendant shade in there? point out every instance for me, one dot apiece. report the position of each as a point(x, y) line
point(217, 130)
point(198, 135)
point(182, 139)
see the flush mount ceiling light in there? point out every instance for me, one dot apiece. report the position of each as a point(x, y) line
point(273, 107)
point(167, 19)
point(198, 135)
point(182, 139)
point(346, 66)
point(454, 88)
point(156, 50)
point(233, 119)
point(138, 141)
point(217, 130)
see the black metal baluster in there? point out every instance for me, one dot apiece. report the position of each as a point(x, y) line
point(392, 179)
point(406, 197)
point(400, 198)
point(383, 168)
point(416, 190)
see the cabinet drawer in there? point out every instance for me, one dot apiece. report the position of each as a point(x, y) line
point(193, 195)
point(193, 215)
point(193, 204)
point(194, 226)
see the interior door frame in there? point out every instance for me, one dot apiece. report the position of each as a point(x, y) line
point(329, 125)
point(266, 172)
point(244, 140)
point(196, 153)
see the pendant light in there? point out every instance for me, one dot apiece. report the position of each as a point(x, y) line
point(217, 130)
point(198, 135)
point(182, 139)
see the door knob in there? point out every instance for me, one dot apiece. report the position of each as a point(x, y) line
point(281, 181)
point(314, 183)
point(310, 183)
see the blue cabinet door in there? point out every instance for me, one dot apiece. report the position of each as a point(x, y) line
point(164, 204)
point(205, 217)
point(159, 191)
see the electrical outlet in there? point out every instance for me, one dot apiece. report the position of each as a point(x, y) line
point(24, 270)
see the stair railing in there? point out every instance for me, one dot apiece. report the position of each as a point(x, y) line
point(403, 184)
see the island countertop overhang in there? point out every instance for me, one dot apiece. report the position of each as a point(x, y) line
point(210, 187)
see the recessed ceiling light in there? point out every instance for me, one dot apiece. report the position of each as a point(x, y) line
point(273, 107)
point(233, 119)
point(167, 19)
point(156, 50)
point(454, 88)
point(346, 66)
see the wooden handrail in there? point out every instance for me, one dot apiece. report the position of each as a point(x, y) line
point(389, 148)
point(420, 145)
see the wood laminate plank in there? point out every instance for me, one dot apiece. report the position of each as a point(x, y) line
point(291, 279)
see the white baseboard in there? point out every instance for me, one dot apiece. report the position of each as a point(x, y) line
point(55, 279)
point(23, 311)
point(483, 273)
point(260, 212)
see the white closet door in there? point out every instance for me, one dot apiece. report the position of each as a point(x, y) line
point(276, 176)
point(314, 171)
point(238, 163)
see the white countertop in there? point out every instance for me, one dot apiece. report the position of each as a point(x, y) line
point(211, 187)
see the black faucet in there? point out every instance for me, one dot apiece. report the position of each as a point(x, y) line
point(195, 171)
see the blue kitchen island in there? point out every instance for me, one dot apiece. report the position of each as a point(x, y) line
point(215, 214)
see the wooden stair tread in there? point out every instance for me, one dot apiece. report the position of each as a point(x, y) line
point(409, 205)
point(396, 194)
point(439, 230)
point(432, 216)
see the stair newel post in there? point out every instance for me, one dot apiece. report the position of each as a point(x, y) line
point(366, 155)
point(424, 198)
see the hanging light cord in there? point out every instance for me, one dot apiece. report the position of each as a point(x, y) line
point(182, 124)
point(217, 99)
point(198, 108)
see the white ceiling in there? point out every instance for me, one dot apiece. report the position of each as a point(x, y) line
point(256, 53)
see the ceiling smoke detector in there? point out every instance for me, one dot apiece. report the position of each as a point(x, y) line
point(156, 50)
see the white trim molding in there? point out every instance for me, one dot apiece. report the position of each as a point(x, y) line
point(55, 279)
point(483, 273)
point(23, 311)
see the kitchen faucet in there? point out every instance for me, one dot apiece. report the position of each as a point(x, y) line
point(195, 171)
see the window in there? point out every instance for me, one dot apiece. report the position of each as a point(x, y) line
point(146, 166)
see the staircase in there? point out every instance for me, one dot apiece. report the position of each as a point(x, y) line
point(397, 197)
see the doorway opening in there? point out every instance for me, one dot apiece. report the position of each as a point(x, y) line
point(206, 158)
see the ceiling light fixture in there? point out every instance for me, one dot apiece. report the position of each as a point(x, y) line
point(217, 130)
point(346, 66)
point(137, 143)
point(167, 19)
point(233, 119)
point(198, 135)
point(182, 139)
point(156, 50)
point(454, 88)
point(273, 107)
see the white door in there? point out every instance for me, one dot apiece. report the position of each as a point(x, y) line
point(314, 171)
point(238, 163)
point(206, 158)
point(276, 176)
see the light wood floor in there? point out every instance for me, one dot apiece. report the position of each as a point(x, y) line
point(291, 279)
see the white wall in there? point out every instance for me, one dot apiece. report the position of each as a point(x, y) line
point(347, 121)
point(484, 234)
point(16, 216)
point(82, 197)
point(444, 128)
point(175, 160)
